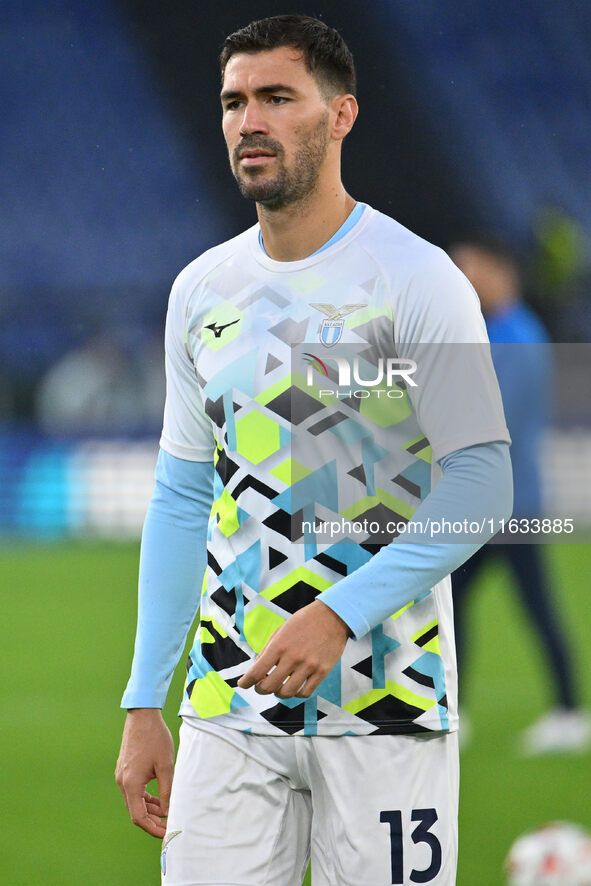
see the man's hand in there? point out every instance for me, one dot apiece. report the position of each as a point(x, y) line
point(147, 752)
point(300, 654)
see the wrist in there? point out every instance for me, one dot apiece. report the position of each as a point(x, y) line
point(337, 619)
point(144, 713)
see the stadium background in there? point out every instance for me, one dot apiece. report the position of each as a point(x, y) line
point(112, 177)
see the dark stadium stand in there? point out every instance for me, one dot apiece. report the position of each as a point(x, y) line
point(113, 174)
point(103, 196)
point(508, 87)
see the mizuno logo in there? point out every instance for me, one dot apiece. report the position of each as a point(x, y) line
point(217, 330)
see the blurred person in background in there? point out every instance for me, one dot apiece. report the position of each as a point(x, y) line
point(523, 366)
point(112, 383)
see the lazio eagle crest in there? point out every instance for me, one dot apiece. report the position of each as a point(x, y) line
point(331, 328)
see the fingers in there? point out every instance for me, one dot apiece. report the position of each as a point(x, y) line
point(147, 752)
point(280, 683)
point(294, 686)
point(300, 654)
point(153, 810)
point(258, 671)
point(164, 775)
point(144, 810)
point(310, 686)
point(285, 676)
point(153, 806)
point(287, 681)
point(265, 661)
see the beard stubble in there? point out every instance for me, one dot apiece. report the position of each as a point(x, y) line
point(288, 186)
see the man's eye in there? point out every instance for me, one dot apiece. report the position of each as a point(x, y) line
point(233, 105)
point(277, 99)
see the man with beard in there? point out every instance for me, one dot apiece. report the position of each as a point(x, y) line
point(319, 715)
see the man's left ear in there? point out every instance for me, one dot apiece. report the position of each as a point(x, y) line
point(346, 110)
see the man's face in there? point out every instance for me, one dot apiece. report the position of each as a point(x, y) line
point(275, 122)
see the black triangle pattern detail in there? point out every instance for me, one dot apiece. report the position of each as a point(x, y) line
point(418, 677)
point(287, 525)
point(420, 444)
point(364, 667)
point(358, 473)
point(226, 600)
point(276, 558)
point(429, 635)
point(250, 482)
point(289, 720)
point(298, 595)
point(407, 485)
point(331, 563)
point(391, 710)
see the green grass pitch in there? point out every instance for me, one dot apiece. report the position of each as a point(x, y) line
point(68, 625)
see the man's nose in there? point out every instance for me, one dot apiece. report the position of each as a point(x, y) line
point(253, 120)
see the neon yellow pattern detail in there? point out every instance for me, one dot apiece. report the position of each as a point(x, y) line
point(394, 689)
point(370, 501)
point(299, 574)
point(257, 437)
point(290, 471)
point(385, 411)
point(219, 628)
point(278, 388)
point(211, 696)
point(259, 624)
point(366, 315)
point(404, 608)
point(214, 624)
point(205, 636)
point(422, 631)
point(433, 646)
point(227, 509)
point(313, 390)
point(401, 611)
point(425, 454)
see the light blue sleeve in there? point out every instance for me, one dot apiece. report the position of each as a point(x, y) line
point(172, 562)
point(476, 486)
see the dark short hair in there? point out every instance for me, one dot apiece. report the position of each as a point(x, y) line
point(326, 55)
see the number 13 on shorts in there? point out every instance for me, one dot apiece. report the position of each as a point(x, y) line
point(421, 826)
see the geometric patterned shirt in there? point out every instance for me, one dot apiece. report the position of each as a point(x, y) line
point(325, 390)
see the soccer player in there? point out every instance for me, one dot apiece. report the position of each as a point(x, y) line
point(320, 711)
point(519, 345)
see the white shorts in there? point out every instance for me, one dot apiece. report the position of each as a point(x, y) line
point(249, 810)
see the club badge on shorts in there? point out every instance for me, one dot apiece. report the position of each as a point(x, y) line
point(165, 845)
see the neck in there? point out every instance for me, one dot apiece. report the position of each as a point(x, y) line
point(295, 231)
